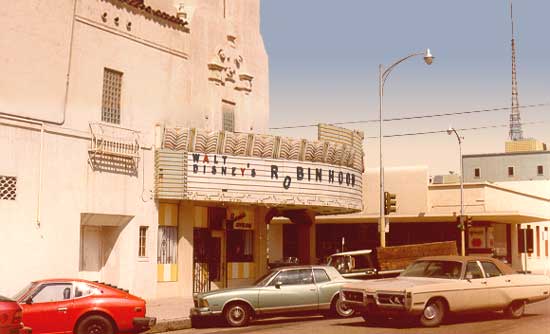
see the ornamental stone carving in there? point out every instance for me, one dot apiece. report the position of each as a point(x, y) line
point(227, 68)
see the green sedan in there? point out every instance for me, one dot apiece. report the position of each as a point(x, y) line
point(283, 290)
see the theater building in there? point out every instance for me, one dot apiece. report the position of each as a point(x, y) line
point(134, 147)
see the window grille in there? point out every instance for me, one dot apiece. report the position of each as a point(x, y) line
point(510, 171)
point(540, 170)
point(477, 173)
point(167, 248)
point(110, 106)
point(228, 116)
point(8, 187)
point(142, 241)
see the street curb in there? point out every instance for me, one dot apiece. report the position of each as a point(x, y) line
point(170, 325)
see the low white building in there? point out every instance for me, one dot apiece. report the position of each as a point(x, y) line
point(427, 211)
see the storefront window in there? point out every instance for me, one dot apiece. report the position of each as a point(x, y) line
point(239, 246)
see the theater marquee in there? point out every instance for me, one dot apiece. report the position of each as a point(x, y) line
point(217, 167)
point(273, 182)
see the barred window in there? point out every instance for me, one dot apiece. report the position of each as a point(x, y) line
point(142, 241)
point(228, 116)
point(167, 248)
point(8, 187)
point(110, 105)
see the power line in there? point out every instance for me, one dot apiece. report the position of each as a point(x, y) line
point(461, 129)
point(413, 117)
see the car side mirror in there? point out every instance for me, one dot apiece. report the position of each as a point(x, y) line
point(469, 277)
point(28, 300)
point(278, 285)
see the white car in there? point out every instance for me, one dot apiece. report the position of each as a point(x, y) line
point(433, 286)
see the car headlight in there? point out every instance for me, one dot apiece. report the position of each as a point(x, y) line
point(203, 303)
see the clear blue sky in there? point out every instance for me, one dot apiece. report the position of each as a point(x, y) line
point(324, 58)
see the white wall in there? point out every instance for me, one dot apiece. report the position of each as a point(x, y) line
point(165, 80)
point(410, 184)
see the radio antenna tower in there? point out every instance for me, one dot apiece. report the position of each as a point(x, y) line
point(515, 122)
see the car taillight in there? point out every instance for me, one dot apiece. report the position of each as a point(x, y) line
point(17, 317)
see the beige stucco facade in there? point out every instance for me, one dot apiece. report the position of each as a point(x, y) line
point(88, 195)
point(67, 217)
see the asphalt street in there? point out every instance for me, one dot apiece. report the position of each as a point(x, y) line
point(536, 320)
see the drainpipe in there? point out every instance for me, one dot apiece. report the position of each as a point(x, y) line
point(40, 168)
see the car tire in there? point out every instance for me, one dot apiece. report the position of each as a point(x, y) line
point(433, 313)
point(515, 309)
point(339, 309)
point(95, 324)
point(237, 314)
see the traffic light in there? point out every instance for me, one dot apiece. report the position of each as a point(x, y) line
point(460, 222)
point(466, 221)
point(390, 203)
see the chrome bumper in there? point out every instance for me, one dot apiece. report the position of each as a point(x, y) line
point(143, 324)
point(202, 312)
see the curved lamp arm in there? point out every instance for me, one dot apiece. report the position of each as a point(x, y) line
point(451, 130)
point(428, 59)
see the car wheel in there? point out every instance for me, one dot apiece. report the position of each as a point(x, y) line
point(237, 314)
point(339, 308)
point(515, 309)
point(95, 324)
point(433, 313)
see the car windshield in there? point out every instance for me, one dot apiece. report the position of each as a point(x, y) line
point(23, 291)
point(264, 278)
point(435, 269)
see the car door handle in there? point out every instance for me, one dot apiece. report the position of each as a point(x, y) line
point(507, 281)
point(311, 289)
point(62, 309)
point(484, 282)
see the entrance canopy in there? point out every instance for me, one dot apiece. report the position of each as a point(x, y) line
point(495, 217)
point(252, 169)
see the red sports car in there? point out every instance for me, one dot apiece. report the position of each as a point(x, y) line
point(81, 307)
point(10, 317)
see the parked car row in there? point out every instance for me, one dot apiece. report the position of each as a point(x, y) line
point(73, 306)
point(428, 289)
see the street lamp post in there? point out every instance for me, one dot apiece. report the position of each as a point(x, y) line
point(383, 76)
point(462, 237)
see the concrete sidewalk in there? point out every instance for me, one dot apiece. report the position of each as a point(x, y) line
point(171, 313)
